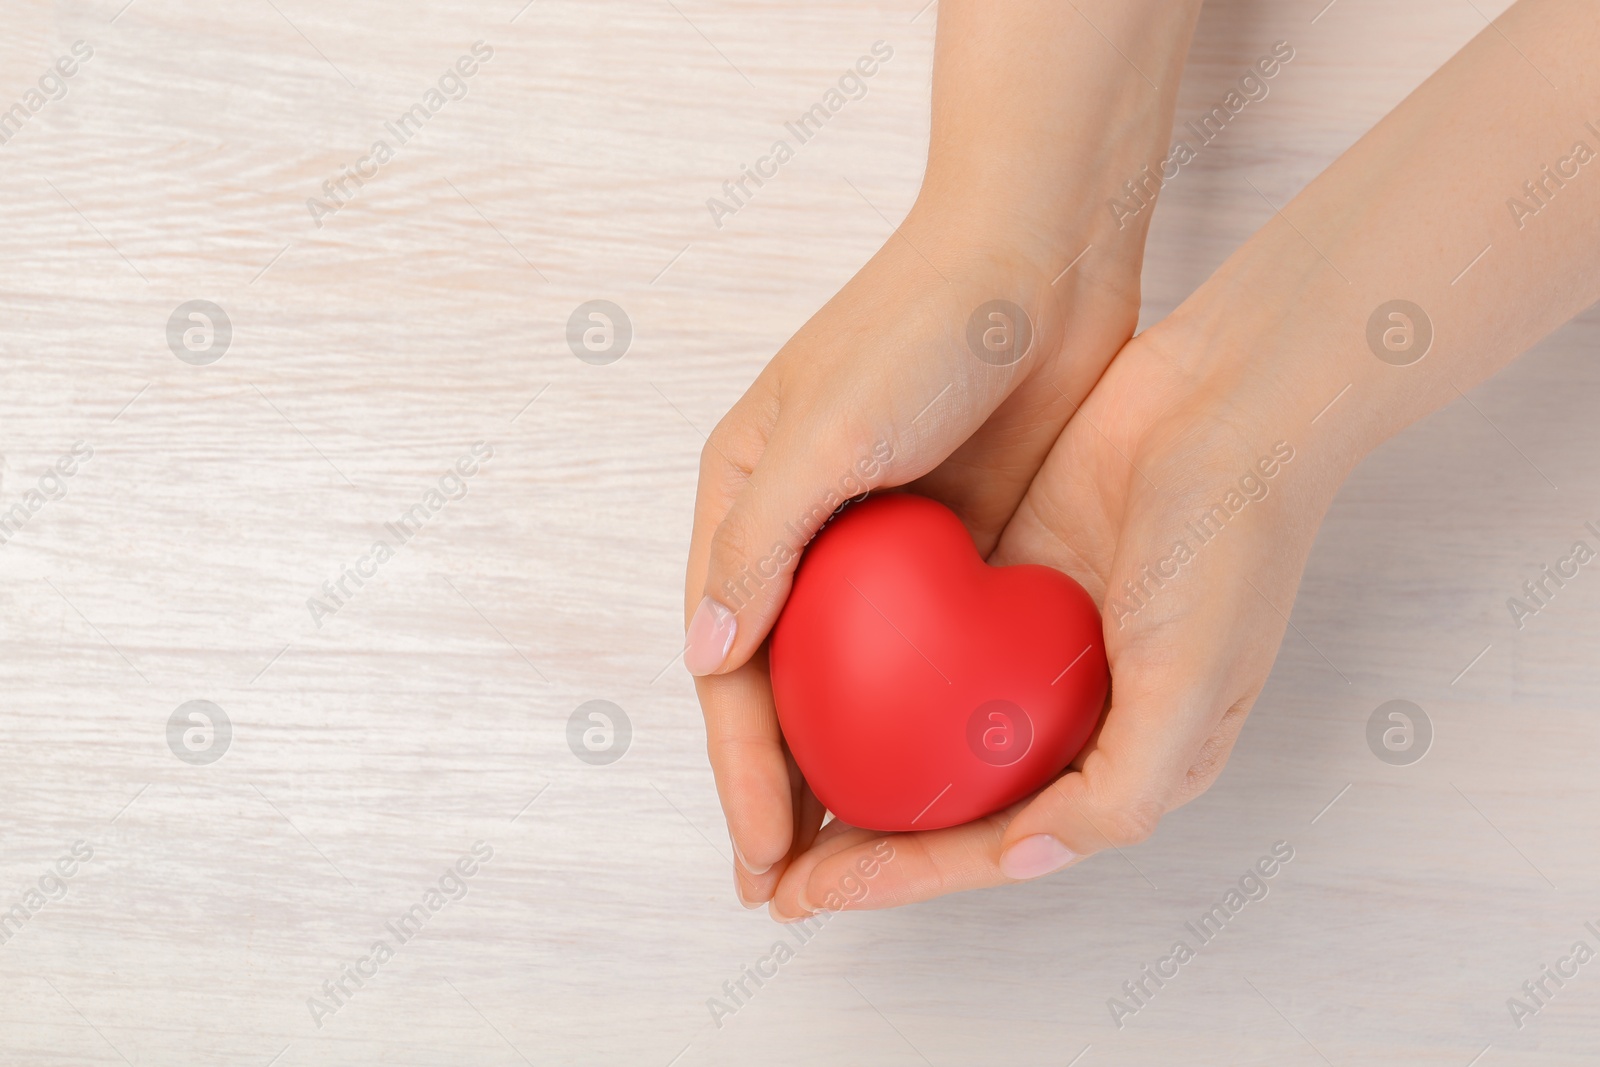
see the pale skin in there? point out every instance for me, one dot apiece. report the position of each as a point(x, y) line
point(1093, 453)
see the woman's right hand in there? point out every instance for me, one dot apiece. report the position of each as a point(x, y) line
point(952, 360)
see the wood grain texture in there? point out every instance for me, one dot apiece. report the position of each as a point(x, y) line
point(372, 750)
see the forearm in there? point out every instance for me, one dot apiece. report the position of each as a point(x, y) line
point(1477, 199)
point(1042, 109)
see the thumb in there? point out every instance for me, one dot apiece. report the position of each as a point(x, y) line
point(1174, 682)
point(1163, 696)
point(1128, 780)
point(802, 477)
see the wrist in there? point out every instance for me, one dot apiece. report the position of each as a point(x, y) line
point(1274, 345)
point(1042, 112)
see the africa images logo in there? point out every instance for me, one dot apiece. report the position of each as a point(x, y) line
point(852, 85)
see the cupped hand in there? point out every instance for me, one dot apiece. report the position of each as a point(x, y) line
point(952, 361)
point(1184, 496)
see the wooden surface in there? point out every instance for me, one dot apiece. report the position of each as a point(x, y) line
point(371, 751)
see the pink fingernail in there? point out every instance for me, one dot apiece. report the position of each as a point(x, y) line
point(710, 637)
point(1035, 856)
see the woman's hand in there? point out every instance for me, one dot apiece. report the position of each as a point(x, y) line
point(1186, 493)
point(1186, 507)
point(952, 360)
point(880, 388)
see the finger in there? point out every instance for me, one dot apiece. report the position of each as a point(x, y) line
point(885, 871)
point(807, 470)
point(1214, 752)
point(729, 456)
point(861, 870)
point(745, 747)
point(789, 900)
point(755, 890)
point(750, 765)
point(1194, 649)
point(852, 403)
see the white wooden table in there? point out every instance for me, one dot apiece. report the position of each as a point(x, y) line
point(372, 746)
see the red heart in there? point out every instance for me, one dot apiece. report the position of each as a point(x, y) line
point(917, 686)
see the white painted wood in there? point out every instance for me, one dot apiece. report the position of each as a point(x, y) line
point(370, 752)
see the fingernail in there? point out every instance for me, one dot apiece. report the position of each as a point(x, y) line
point(738, 889)
point(748, 869)
point(772, 910)
point(710, 636)
point(1035, 856)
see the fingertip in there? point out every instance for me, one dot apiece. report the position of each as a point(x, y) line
point(755, 884)
point(1083, 812)
point(748, 899)
point(778, 913)
point(752, 869)
point(761, 832)
point(789, 903)
point(1034, 857)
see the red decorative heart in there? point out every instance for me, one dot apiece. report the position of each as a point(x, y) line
point(917, 686)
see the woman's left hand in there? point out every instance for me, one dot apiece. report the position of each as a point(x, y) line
point(1186, 505)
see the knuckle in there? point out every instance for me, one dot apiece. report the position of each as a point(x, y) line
point(721, 464)
point(935, 875)
point(1207, 766)
point(731, 542)
point(1213, 755)
point(748, 565)
point(731, 549)
point(719, 443)
point(733, 447)
point(1130, 821)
